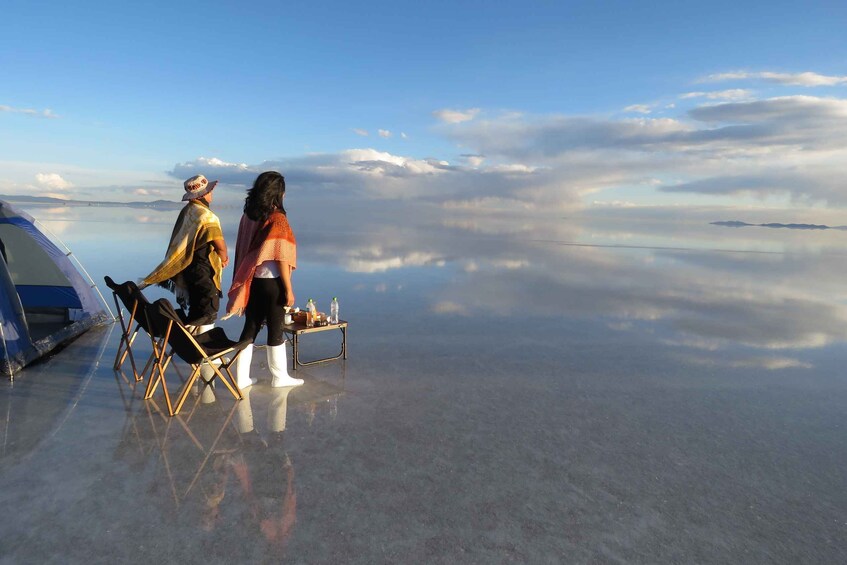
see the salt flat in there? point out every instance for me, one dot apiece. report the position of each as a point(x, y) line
point(517, 391)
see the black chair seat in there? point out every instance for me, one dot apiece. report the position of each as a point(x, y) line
point(213, 346)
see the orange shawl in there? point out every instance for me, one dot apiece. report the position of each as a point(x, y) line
point(258, 242)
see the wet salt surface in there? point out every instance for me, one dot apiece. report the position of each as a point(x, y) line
point(516, 392)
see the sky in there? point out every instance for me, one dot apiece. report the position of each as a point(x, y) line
point(545, 107)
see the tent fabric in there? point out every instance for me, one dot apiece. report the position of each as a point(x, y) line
point(44, 300)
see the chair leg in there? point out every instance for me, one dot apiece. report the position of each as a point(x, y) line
point(186, 388)
point(230, 384)
point(127, 338)
point(128, 353)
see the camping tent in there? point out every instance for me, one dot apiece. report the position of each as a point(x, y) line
point(44, 301)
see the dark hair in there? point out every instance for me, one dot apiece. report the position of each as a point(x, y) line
point(265, 196)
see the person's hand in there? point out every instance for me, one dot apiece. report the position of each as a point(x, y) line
point(225, 260)
point(289, 298)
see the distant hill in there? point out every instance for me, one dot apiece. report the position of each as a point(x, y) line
point(36, 199)
point(738, 224)
point(158, 204)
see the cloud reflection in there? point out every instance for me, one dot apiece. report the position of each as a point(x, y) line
point(692, 299)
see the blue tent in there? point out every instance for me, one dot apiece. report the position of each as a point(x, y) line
point(44, 301)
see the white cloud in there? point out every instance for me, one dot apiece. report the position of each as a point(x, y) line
point(403, 135)
point(52, 181)
point(639, 109)
point(732, 94)
point(362, 132)
point(456, 116)
point(384, 133)
point(808, 79)
point(472, 160)
point(46, 113)
point(726, 147)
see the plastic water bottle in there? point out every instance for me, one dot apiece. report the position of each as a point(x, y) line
point(333, 311)
point(313, 312)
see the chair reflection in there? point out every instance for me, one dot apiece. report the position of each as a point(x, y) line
point(222, 463)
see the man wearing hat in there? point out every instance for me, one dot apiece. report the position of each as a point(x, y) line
point(196, 256)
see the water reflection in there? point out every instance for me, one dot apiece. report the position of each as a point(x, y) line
point(222, 464)
point(508, 379)
point(760, 297)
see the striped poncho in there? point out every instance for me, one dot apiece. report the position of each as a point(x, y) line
point(271, 240)
point(195, 227)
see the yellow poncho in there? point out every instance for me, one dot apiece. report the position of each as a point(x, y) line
point(195, 227)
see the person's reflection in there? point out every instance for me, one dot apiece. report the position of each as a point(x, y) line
point(266, 474)
point(216, 461)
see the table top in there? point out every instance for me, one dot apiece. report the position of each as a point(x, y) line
point(302, 328)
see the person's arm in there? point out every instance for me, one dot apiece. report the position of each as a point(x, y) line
point(285, 273)
point(220, 248)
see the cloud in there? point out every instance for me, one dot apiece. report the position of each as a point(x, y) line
point(732, 94)
point(807, 79)
point(52, 181)
point(724, 145)
point(403, 135)
point(788, 146)
point(639, 109)
point(456, 116)
point(362, 132)
point(384, 133)
point(46, 113)
point(473, 160)
point(151, 192)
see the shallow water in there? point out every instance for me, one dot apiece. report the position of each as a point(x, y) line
point(518, 390)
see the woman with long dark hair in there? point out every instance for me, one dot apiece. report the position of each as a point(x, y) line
point(265, 257)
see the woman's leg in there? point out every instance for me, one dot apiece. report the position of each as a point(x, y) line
point(276, 312)
point(255, 314)
point(256, 311)
point(277, 359)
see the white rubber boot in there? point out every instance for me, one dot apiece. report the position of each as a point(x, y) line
point(278, 410)
point(244, 413)
point(278, 364)
point(242, 368)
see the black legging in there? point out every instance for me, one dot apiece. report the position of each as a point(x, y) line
point(266, 304)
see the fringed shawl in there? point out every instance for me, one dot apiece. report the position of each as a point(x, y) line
point(196, 226)
point(258, 242)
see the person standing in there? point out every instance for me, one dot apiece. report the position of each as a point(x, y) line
point(196, 256)
point(265, 257)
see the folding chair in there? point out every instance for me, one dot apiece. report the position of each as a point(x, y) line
point(129, 294)
point(209, 347)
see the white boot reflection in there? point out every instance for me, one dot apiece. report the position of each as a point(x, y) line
point(207, 394)
point(244, 413)
point(278, 410)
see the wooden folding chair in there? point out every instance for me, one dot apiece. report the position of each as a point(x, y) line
point(210, 347)
point(133, 301)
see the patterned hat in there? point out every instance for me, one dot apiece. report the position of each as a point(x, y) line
point(197, 186)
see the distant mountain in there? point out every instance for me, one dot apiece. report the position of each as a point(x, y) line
point(34, 199)
point(738, 224)
point(157, 204)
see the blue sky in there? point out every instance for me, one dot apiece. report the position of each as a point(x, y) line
point(469, 105)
